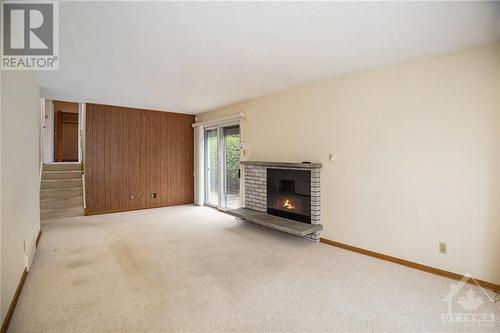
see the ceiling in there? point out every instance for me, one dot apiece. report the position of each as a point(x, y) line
point(196, 56)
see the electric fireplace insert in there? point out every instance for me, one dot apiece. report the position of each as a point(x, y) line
point(289, 194)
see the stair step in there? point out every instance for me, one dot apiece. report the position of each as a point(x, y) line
point(48, 214)
point(61, 183)
point(61, 193)
point(61, 166)
point(61, 203)
point(70, 174)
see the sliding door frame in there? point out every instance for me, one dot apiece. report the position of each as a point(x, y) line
point(220, 162)
point(206, 171)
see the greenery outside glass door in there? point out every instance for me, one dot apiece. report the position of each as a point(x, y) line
point(222, 167)
point(231, 167)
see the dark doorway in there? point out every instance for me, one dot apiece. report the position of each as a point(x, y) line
point(66, 132)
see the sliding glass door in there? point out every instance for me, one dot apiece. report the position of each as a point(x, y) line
point(222, 167)
point(231, 165)
point(211, 170)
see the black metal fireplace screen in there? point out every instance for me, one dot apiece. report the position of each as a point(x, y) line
point(289, 194)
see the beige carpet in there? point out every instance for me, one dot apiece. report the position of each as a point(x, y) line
point(195, 269)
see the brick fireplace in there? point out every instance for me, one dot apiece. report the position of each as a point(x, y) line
point(289, 190)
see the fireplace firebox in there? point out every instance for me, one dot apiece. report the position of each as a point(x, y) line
point(289, 194)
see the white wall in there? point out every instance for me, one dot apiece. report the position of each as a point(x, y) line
point(418, 156)
point(48, 142)
point(1, 223)
point(20, 177)
point(82, 107)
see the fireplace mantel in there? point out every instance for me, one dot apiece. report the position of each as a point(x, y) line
point(284, 164)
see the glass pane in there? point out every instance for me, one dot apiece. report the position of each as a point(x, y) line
point(212, 194)
point(231, 167)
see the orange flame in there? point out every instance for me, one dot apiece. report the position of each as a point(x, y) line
point(288, 204)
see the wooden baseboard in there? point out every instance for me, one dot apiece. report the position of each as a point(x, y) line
point(8, 317)
point(17, 294)
point(428, 269)
point(88, 212)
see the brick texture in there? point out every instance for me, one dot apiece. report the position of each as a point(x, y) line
point(255, 185)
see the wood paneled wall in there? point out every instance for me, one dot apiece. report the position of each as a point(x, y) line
point(131, 154)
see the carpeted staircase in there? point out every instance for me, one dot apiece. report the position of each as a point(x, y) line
point(61, 193)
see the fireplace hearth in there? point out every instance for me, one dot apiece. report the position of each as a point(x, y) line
point(289, 194)
point(284, 190)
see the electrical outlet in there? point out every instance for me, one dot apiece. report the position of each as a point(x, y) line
point(443, 248)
